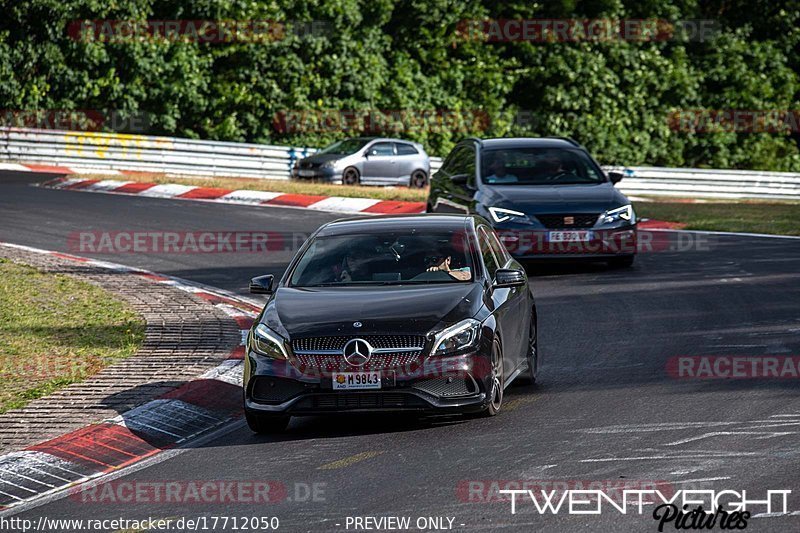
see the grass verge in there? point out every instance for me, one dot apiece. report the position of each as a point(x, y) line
point(56, 330)
point(284, 186)
point(779, 218)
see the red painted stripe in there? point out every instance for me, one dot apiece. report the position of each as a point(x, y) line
point(244, 322)
point(237, 353)
point(660, 224)
point(99, 447)
point(205, 193)
point(216, 299)
point(50, 168)
point(154, 277)
point(394, 206)
point(134, 188)
point(81, 184)
point(211, 394)
point(70, 257)
point(295, 200)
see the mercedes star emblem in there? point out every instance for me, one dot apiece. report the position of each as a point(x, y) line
point(357, 352)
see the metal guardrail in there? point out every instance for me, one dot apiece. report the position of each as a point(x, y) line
point(111, 151)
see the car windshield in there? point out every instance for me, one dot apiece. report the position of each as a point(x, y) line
point(345, 147)
point(538, 166)
point(410, 257)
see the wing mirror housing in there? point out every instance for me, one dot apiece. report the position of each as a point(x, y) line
point(509, 277)
point(615, 176)
point(261, 284)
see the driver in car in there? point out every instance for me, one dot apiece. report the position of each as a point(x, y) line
point(499, 172)
point(441, 263)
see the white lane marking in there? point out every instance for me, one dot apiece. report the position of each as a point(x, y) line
point(734, 233)
point(344, 205)
point(700, 480)
point(775, 515)
point(95, 170)
point(14, 166)
point(762, 435)
point(230, 371)
point(667, 457)
point(249, 197)
point(23, 476)
point(167, 190)
point(643, 428)
point(107, 185)
point(66, 183)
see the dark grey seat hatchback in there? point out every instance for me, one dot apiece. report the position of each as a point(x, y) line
point(546, 197)
point(426, 313)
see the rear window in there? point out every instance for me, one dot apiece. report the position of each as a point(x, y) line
point(406, 149)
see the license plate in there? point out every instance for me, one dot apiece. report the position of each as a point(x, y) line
point(570, 236)
point(307, 172)
point(356, 380)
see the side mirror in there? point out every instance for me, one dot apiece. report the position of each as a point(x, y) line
point(261, 284)
point(459, 179)
point(615, 176)
point(509, 277)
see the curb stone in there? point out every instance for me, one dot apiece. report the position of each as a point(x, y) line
point(169, 413)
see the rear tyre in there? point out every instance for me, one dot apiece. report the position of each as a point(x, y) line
point(622, 262)
point(529, 376)
point(351, 176)
point(266, 424)
point(419, 180)
point(498, 383)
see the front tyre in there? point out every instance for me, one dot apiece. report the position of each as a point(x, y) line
point(497, 382)
point(351, 176)
point(266, 424)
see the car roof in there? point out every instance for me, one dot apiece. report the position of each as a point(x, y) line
point(389, 139)
point(529, 142)
point(378, 224)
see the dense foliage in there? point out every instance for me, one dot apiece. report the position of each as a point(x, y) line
point(414, 61)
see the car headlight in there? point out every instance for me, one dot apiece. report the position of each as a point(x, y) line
point(501, 214)
point(266, 342)
point(457, 337)
point(328, 164)
point(620, 214)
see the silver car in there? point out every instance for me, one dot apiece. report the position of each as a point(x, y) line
point(368, 161)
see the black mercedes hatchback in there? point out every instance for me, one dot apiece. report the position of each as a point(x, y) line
point(546, 197)
point(425, 313)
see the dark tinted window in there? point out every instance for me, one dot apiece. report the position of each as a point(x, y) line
point(379, 259)
point(381, 149)
point(405, 149)
point(497, 247)
point(345, 147)
point(538, 166)
point(486, 251)
point(464, 163)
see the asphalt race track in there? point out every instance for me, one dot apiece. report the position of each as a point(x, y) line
point(606, 408)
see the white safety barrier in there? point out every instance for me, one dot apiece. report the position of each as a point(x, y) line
point(113, 151)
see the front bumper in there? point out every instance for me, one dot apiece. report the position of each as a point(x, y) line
point(317, 173)
point(445, 385)
point(531, 244)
